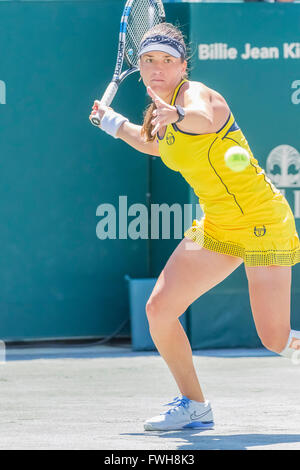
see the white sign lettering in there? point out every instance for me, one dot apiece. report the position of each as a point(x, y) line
point(296, 94)
point(222, 51)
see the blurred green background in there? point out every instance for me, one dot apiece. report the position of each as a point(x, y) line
point(57, 278)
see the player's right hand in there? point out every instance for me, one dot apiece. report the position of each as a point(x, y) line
point(99, 109)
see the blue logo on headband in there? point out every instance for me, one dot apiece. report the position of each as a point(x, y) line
point(163, 40)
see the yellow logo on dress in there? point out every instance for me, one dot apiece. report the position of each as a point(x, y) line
point(259, 231)
point(170, 138)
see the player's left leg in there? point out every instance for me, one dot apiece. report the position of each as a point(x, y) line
point(270, 299)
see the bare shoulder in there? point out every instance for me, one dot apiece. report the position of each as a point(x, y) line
point(196, 90)
point(192, 92)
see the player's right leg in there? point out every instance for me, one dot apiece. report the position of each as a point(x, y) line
point(190, 272)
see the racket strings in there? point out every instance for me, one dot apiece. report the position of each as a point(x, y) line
point(143, 16)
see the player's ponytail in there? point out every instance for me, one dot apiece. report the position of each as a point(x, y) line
point(147, 126)
point(165, 29)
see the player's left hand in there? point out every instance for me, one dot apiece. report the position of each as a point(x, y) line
point(164, 113)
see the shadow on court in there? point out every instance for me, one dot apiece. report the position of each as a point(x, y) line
point(30, 353)
point(195, 440)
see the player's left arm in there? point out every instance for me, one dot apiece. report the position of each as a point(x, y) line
point(199, 112)
point(201, 117)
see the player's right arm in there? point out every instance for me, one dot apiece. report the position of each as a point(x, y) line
point(130, 133)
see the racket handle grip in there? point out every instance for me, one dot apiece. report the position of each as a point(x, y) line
point(109, 94)
point(106, 100)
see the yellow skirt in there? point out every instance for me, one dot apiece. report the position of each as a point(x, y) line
point(258, 244)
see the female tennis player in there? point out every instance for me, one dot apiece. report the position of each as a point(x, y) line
point(246, 219)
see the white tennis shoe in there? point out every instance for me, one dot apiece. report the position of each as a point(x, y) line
point(184, 414)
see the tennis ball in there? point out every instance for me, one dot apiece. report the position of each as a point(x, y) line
point(237, 158)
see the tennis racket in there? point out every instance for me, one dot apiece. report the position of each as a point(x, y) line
point(138, 17)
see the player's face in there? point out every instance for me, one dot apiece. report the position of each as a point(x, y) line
point(162, 72)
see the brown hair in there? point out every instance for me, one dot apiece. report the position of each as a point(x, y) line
point(165, 29)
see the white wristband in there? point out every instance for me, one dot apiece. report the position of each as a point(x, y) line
point(111, 122)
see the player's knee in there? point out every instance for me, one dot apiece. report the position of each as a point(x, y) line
point(274, 341)
point(158, 311)
point(153, 309)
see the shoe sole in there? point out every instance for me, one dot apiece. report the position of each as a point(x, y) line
point(193, 425)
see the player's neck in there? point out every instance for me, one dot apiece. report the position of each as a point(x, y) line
point(169, 96)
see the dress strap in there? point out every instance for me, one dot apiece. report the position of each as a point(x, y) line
point(177, 90)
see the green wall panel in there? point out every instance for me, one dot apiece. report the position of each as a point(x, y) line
point(57, 278)
point(260, 94)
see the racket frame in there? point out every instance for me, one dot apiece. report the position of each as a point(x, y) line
point(118, 77)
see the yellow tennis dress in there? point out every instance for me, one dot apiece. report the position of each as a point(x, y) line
point(245, 215)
